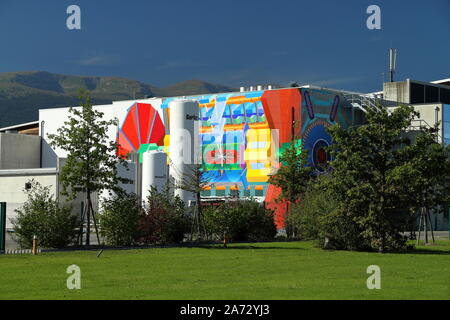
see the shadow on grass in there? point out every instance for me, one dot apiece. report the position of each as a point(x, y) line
point(427, 251)
point(246, 247)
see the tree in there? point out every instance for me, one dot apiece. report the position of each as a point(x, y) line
point(92, 163)
point(425, 173)
point(120, 219)
point(164, 219)
point(195, 181)
point(43, 217)
point(294, 174)
point(378, 176)
point(240, 220)
point(306, 217)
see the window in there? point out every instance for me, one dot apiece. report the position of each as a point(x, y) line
point(206, 193)
point(259, 193)
point(417, 93)
point(220, 193)
point(431, 94)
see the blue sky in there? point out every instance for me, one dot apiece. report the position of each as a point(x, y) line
point(235, 43)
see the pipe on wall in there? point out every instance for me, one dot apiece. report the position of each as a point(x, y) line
point(41, 143)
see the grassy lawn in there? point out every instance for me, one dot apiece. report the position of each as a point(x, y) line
point(279, 270)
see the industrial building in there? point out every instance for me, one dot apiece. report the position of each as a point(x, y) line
point(236, 136)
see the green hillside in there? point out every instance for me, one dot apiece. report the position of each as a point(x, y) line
point(22, 94)
point(191, 87)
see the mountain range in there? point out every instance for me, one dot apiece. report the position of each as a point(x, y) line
point(22, 94)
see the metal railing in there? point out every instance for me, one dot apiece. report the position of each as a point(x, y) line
point(417, 124)
point(367, 102)
point(361, 102)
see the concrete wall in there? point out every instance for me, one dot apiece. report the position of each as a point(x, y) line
point(12, 185)
point(12, 189)
point(19, 151)
point(428, 115)
point(396, 91)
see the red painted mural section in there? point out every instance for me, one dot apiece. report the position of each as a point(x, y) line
point(283, 110)
point(278, 106)
point(142, 125)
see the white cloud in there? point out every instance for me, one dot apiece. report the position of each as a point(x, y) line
point(177, 64)
point(98, 60)
point(336, 81)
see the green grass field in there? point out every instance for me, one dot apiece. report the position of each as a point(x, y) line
point(278, 270)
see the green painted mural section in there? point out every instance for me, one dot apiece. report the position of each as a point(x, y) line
point(148, 147)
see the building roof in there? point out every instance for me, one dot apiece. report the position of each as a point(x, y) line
point(24, 128)
point(443, 81)
point(28, 172)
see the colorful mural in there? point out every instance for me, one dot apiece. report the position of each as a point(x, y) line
point(142, 126)
point(243, 134)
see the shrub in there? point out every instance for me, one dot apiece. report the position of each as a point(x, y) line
point(41, 215)
point(119, 220)
point(241, 220)
point(164, 219)
point(323, 216)
point(319, 216)
point(305, 221)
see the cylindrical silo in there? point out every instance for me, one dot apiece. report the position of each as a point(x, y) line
point(154, 164)
point(183, 150)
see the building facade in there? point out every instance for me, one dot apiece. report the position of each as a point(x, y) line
point(237, 136)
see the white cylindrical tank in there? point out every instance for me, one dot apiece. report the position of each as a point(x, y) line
point(154, 168)
point(183, 150)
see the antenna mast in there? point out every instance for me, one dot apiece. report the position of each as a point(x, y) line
point(392, 63)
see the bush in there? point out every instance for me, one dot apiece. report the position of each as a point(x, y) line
point(119, 220)
point(164, 219)
point(41, 215)
point(319, 216)
point(241, 220)
point(323, 216)
point(305, 221)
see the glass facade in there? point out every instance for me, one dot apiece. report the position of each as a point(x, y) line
point(446, 123)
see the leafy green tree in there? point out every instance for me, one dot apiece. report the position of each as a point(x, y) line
point(120, 219)
point(425, 174)
point(426, 171)
point(294, 175)
point(305, 221)
point(92, 164)
point(43, 217)
point(376, 179)
point(195, 181)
